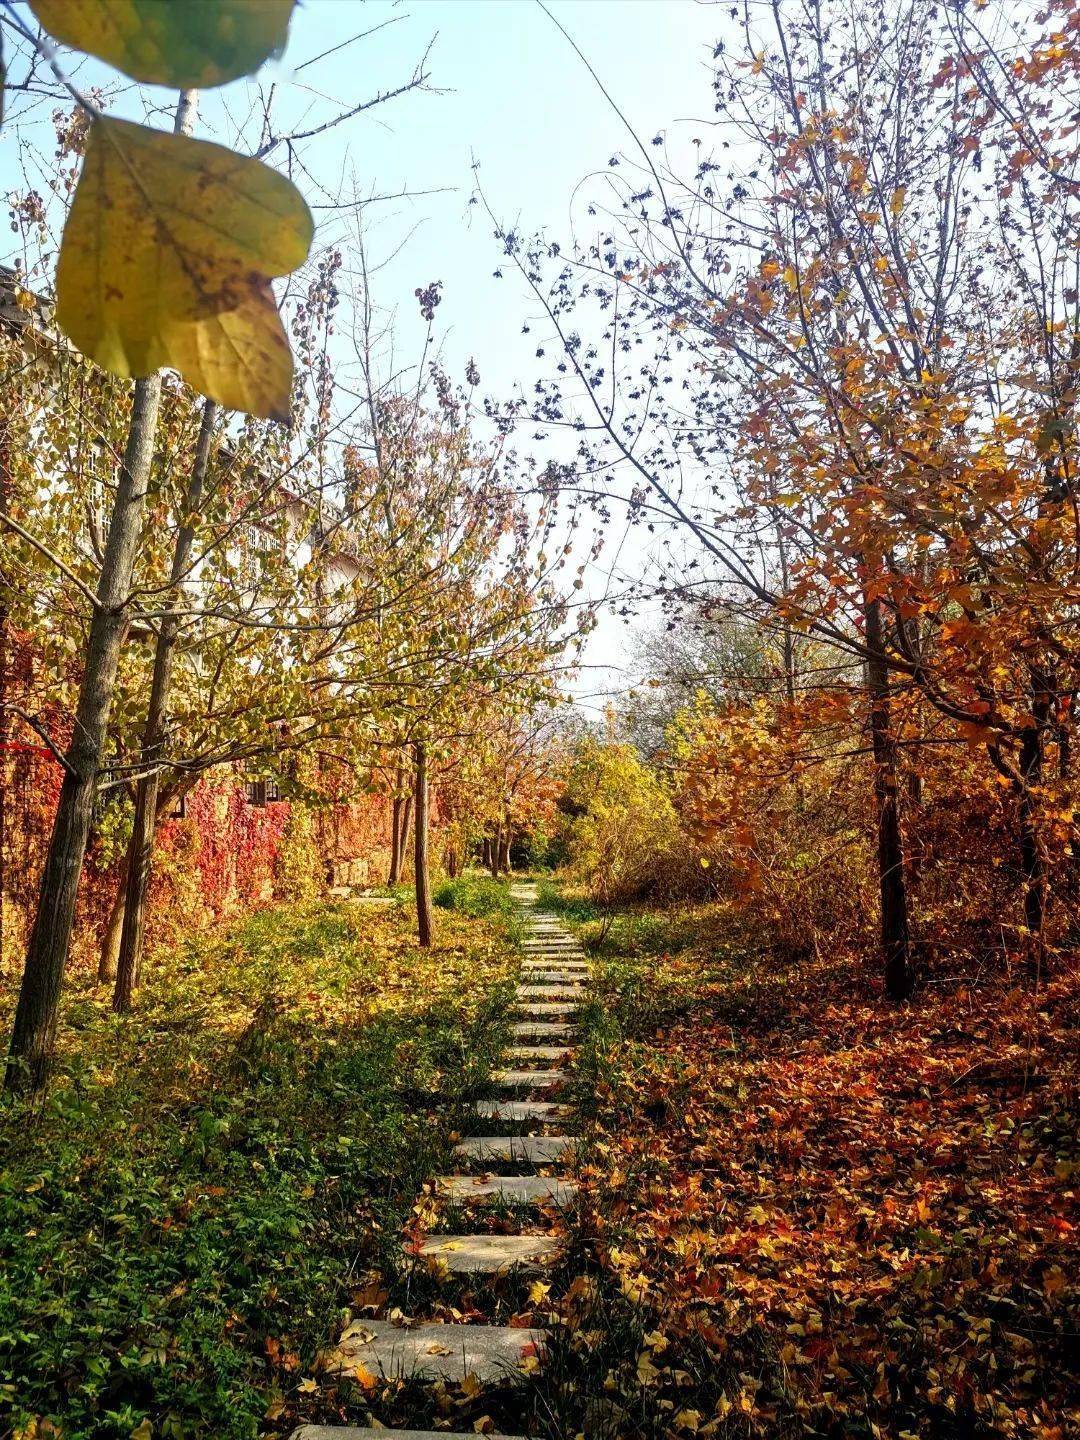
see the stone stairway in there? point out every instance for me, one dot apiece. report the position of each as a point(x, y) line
point(552, 986)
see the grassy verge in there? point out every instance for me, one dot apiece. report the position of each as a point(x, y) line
point(809, 1213)
point(212, 1180)
point(478, 896)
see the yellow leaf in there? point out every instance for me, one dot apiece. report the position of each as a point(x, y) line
point(179, 43)
point(166, 260)
point(363, 1376)
point(142, 1431)
point(646, 1370)
point(896, 204)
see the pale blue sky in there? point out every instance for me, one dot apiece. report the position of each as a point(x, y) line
point(515, 98)
point(521, 104)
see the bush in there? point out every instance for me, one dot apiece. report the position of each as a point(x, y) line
point(621, 834)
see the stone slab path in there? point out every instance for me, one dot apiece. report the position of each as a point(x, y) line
point(434, 1352)
point(515, 1189)
point(532, 1149)
point(554, 973)
point(533, 1079)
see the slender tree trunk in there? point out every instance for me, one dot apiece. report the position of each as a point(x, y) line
point(504, 856)
point(109, 953)
point(895, 941)
point(485, 852)
point(786, 633)
point(423, 877)
point(34, 1031)
point(1031, 856)
point(406, 834)
point(396, 827)
point(395, 841)
point(495, 853)
point(141, 849)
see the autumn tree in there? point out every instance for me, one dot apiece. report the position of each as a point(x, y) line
point(187, 294)
point(839, 355)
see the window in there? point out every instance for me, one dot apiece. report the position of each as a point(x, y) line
point(263, 792)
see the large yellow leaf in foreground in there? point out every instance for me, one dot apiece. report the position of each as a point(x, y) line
point(182, 43)
point(166, 260)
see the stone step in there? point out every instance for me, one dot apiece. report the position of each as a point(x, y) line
point(356, 1432)
point(538, 1079)
point(573, 971)
point(541, 1030)
point(490, 1254)
point(550, 992)
point(530, 1054)
point(542, 1010)
point(492, 1353)
point(553, 972)
point(533, 1149)
point(541, 1110)
point(522, 1189)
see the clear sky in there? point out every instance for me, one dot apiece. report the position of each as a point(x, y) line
point(517, 101)
point(513, 98)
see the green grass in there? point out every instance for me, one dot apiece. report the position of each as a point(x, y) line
point(553, 896)
point(180, 1219)
point(477, 896)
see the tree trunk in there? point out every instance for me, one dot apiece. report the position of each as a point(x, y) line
point(34, 1031)
point(1031, 856)
point(495, 851)
point(109, 953)
point(397, 829)
point(895, 942)
point(141, 848)
point(423, 878)
point(395, 841)
point(406, 835)
point(504, 855)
